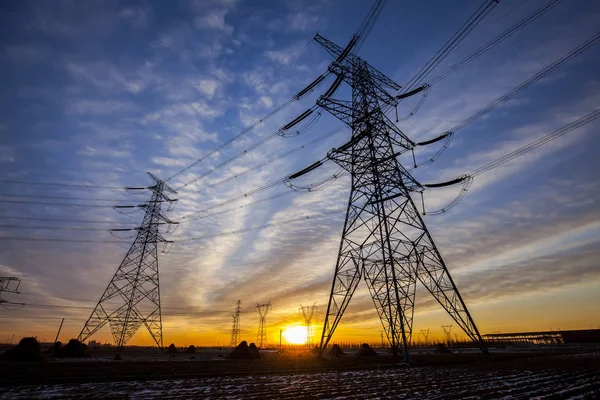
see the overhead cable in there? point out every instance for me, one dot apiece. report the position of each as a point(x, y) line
point(498, 39)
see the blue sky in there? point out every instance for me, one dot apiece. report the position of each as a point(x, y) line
point(98, 92)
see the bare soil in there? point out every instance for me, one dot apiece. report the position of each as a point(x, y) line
point(559, 373)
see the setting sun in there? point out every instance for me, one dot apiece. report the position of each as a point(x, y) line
point(295, 335)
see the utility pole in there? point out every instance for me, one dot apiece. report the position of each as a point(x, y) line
point(235, 329)
point(59, 329)
point(132, 298)
point(261, 338)
point(307, 313)
point(384, 238)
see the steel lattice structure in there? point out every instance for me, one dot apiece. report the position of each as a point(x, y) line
point(384, 238)
point(307, 313)
point(135, 285)
point(8, 284)
point(235, 328)
point(261, 338)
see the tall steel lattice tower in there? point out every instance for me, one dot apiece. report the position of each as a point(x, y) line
point(132, 298)
point(235, 328)
point(261, 338)
point(384, 238)
point(307, 313)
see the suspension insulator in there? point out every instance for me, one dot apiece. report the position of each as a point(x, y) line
point(306, 170)
point(448, 183)
point(310, 87)
point(437, 139)
point(411, 93)
point(336, 84)
point(297, 119)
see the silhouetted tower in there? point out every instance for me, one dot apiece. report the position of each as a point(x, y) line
point(132, 298)
point(384, 238)
point(261, 338)
point(447, 329)
point(307, 313)
point(235, 328)
point(425, 333)
point(8, 284)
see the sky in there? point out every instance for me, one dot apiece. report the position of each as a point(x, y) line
point(100, 92)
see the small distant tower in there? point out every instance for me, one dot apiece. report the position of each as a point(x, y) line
point(425, 333)
point(261, 338)
point(447, 329)
point(308, 313)
point(235, 329)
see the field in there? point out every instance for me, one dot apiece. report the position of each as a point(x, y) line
point(562, 373)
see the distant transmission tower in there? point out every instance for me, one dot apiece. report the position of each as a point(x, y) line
point(308, 313)
point(425, 333)
point(447, 329)
point(261, 338)
point(132, 298)
point(8, 284)
point(235, 328)
point(384, 238)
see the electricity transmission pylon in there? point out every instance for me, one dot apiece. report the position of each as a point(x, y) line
point(132, 298)
point(8, 284)
point(384, 238)
point(307, 313)
point(235, 328)
point(447, 329)
point(425, 333)
point(261, 338)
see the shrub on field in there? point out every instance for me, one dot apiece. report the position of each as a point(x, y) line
point(242, 352)
point(191, 349)
point(366, 351)
point(336, 351)
point(171, 349)
point(442, 349)
point(54, 350)
point(254, 350)
point(27, 350)
point(73, 349)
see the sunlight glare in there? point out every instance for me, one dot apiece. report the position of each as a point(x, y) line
point(295, 335)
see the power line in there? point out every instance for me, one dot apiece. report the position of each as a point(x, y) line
point(54, 204)
point(222, 233)
point(520, 88)
point(88, 221)
point(72, 185)
point(362, 33)
point(58, 228)
point(311, 87)
point(466, 179)
point(64, 197)
point(498, 39)
point(263, 226)
point(536, 143)
point(539, 75)
point(243, 196)
point(281, 156)
point(213, 214)
point(30, 239)
point(451, 44)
